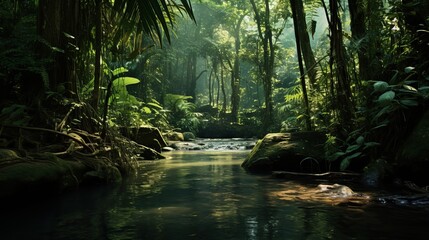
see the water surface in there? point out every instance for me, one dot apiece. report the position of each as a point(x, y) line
point(204, 195)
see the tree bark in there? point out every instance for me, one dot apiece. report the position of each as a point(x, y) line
point(357, 25)
point(58, 24)
point(268, 59)
point(344, 95)
point(191, 76)
point(235, 75)
point(210, 88)
point(97, 64)
point(301, 67)
point(306, 50)
point(222, 82)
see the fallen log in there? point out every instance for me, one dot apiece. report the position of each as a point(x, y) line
point(325, 175)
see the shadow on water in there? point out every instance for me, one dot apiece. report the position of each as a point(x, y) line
point(203, 195)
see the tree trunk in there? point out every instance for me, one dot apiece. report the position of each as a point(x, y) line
point(268, 60)
point(97, 64)
point(222, 82)
point(344, 95)
point(57, 23)
point(307, 52)
point(235, 74)
point(301, 67)
point(357, 25)
point(210, 88)
point(191, 76)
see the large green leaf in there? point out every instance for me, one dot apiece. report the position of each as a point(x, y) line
point(386, 97)
point(380, 86)
point(124, 81)
point(410, 88)
point(409, 103)
point(154, 105)
point(118, 71)
point(360, 140)
point(409, 69)
point(352, 148)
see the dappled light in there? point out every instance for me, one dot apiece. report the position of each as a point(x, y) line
point(214, 119)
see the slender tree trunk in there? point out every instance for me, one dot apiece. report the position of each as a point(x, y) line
point(97, 65)
point(307, 52)
point(222, 84)
point(235, 75)
point(301, 67)
point(357, 25)
point(269, 66)
point(210, 88)
point(374, 19)
point(344, 95)
point(218, 83)
point(265, 35)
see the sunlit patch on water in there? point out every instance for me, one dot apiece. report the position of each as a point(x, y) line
point(333, 194)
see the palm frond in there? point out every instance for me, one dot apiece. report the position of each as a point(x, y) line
point(154, 17)
point(294, 94)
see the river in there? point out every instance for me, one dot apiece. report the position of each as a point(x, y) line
point(204, 195)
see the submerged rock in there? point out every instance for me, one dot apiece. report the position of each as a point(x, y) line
point(297, 152)
point(335, 190)
point(187, 146)
point(334, 194)
point(167, 149)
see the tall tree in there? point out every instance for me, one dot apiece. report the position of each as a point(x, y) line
point(262, 18)
point(338, 64)
point(302, 30)
point(301, 68)
point(97, 46)
point(58, 25)
point(357, 25)
point(235, 75)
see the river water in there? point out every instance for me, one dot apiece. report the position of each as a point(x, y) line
point(204, 195)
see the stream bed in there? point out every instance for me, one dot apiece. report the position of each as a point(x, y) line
point(205, 195)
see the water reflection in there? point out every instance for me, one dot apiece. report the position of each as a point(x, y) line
point(204, 195)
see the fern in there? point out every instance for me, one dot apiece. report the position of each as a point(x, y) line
point(294, 94)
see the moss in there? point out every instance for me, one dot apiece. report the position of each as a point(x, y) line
point(287, 151)
point(46, 173)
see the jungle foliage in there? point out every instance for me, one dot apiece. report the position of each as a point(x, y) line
point(356, 70)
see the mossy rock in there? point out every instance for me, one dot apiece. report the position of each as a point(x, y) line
point(147, 136)
point(188, 136)
point(174, 136)
point(297, 152)
point(45, 173)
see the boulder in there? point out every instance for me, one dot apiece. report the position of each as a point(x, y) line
point(188, 136)
point(186, 146)
point(167, 149)
point(296, 152)
point(174, 136)
point(412, 162)
point(41, 173)
point(148, 136)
